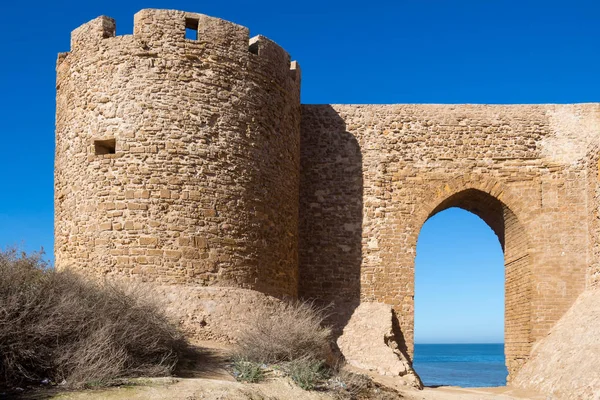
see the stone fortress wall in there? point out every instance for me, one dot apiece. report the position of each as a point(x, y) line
point(372, 175)
point(192, 163)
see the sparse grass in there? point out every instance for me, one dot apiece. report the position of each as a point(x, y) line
point(307, 373)
point(247, 371)
point(58, 326)
point(346, 385)
point(349, 386)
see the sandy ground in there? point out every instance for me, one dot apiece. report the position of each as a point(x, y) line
point(207, 378)
point(278, 389)
point(454, 393)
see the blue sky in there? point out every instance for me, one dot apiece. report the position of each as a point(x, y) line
point(417, 51)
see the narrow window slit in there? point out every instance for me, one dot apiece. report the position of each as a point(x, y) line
point(107, 146)
point(191, 28)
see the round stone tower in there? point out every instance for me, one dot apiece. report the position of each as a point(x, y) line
point(177, 154)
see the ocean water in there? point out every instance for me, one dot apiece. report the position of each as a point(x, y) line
point(466, 365)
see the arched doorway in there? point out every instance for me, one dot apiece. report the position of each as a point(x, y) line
point(459, 302)
point(517, 269)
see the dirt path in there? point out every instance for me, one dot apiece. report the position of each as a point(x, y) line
point(199, 388)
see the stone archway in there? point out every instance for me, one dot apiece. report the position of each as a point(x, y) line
point(371, 175)
point(514, 241)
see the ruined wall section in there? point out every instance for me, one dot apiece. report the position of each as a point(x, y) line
point(177, 160)
point(564, 364)
point(372, 175)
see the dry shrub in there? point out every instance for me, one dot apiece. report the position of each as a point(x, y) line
point(58, 326)
point(347, 385)
point(287, 333)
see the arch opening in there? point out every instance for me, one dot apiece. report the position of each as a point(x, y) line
point(517, 269)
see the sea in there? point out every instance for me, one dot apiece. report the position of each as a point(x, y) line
point(465, 365)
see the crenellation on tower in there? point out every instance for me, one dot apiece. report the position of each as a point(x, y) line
point(270, 55)
point(156, 29)
point(295, 71)
point(159, 25)
point(61, 57)
point(91, 33)
point(220, 33)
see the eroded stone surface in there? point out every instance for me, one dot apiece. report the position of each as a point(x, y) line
point(369, 342)
point(566, 363)
point(213, 313)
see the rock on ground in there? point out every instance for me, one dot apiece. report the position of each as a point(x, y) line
point(368, 342)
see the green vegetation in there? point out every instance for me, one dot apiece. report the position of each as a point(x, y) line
point(247, 371)
point(307, 373)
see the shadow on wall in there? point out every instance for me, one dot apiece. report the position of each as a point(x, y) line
point(399, 336)
point(331, 213)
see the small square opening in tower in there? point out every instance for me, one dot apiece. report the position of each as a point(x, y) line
point(191, 28)
point(253, 47)
point(107, 146)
